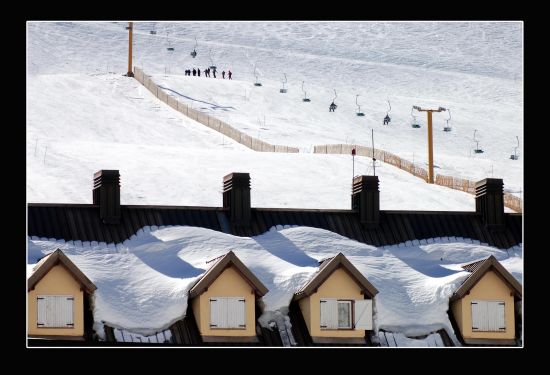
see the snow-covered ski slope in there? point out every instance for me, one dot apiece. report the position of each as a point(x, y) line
point(473, 68)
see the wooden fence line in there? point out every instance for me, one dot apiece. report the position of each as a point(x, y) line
point(510, 201)
point(207, 120)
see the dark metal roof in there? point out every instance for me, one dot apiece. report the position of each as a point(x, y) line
point(73, 222)
point(53, 259)
point(480, 268)
point(327, 268)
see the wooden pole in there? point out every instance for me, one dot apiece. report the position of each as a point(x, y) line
point(430, 141)
point(430, 150)
point(130, 28)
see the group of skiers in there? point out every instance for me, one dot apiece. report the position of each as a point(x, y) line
point(197, 72)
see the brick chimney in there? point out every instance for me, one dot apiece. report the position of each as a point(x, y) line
point(106, 195)
point(490, 202)
point(236, 197)
point(365, 198)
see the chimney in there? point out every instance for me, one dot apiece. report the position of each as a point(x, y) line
point(490, 202)
point(236, 197)
point(365, 198)
point(106, 195)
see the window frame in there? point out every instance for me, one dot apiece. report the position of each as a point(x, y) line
point(351, 303)
point(351, 315)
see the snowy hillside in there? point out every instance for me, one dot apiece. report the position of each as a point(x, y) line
point(82, 119)
point(83, 115)
point(161, 264)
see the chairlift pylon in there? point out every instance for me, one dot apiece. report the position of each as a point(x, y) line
point(477, 150)
point(387, 119)
point(194, 53)
point(359, 113)
point(305, 99)
point(448, 128)
point(414, 122)
point(515, 155)
point(283, 90)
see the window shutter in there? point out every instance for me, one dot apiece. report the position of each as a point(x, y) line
point(488, 316)
point(55, 311)
point(218, 312)
point(329, 313)
point(501, 321)
point(228, 312)
point(236, 312)
point(363, 314)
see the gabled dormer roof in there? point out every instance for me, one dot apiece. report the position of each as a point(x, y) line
point(229, 259)
point(53, 259)
point(327, 268)
point(480, 268)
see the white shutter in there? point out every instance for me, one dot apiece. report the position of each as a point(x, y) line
point(329, 314)
point(55, 311)
point(500, 318)
point(228, 312)
point(218, 312)
point(488, 316)
point(236, 312)
point(363, 314)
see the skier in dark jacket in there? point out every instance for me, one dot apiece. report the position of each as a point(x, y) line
point(194, 72)
point(332, 107)
point(214, 72)
point(229, 74)
point(223, 74)
point(198, 72)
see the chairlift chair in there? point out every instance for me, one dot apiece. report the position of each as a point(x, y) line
point(194, 53)
point(477, 150)
point(387, 119)
point(169, 48)
point(333, 105)
point(448, 127)
point(283, 90)
point(414, 122)
point(305, 99)
point(255, 75)
point(515, 155)
point(359, 113)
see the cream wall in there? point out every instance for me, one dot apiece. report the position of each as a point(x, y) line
point(338, 285)
point(490, 287)
point(228, 284)
point(58, 281)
